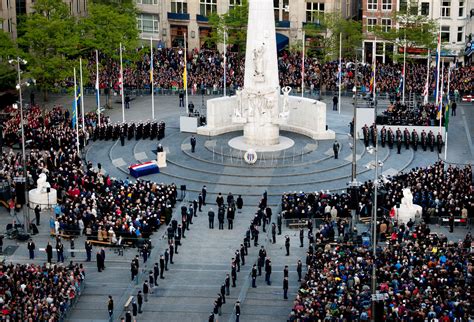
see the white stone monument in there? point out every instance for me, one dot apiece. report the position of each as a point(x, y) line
point(40, 195)
point(259, 109)
point(407, 209)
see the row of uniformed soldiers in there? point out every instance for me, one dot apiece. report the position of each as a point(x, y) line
point(427, 140)
point(130, 130)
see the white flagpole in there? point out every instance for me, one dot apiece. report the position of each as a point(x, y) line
point(151, 81)
point(122, 87)
point(97, 85)
point(445, 127)
point(441, 89)
point(225, 64)
point(438, 59)
point(427, 85)
point(302, 68)
point(374, 62)
point(186, 68)
point(404, 69)
point(82, 97)
point(75, 111)
point(340, 72)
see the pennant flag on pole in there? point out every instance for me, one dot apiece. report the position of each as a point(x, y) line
point(185, 77)
point(402, 77)
point(438, 63)
point(75, 103)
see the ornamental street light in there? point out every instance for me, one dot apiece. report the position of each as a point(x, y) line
point(26, 215)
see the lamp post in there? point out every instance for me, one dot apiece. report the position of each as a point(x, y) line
point(26, 214)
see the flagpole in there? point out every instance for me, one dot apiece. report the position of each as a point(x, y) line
point(82, 95)
point(427, 86)
point(122, 87)
point(185, 81)
point(404, 69)
point(374, 62)
point(75, 111)
point(438, 59)
point(97, 85)
point(225, 64)
point(441, 89)
point(151, 81)
point(302, 68)
point(446, 119)
point(340, 72)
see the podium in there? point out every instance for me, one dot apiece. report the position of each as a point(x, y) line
point(161, 159)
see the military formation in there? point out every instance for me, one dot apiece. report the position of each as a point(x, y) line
point(402, 138)
point(129, 130)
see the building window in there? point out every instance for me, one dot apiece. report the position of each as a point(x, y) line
point(460, 34)
point(386, 24)
point(147, 23)
point(387, 5)
point(371, 4)
point(461, 8)
point(314, 11)
point(425, 8)
point(234, 3)
point(155, 2)
point(208, 7)
point(282, 10)
point(445, 8)
point(445, 33)
point(179, 6)
point(371, 23)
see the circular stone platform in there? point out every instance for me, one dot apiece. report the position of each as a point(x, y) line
point(239, 143)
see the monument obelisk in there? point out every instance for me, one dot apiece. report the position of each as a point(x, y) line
point(261, 83)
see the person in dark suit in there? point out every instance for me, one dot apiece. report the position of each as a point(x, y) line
point(193, 143)
point(49, 252)
point(211, 215)
point(285, 288)
point(335, 148)
point(237, 311)
point(100, 262)
point(31, 249)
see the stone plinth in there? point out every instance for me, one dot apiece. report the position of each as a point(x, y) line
point(42, 198)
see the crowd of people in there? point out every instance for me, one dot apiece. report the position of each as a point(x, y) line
point(420, 277)
point(205, 70)
point(422, 115)
point(441, 190)
point(31, 292)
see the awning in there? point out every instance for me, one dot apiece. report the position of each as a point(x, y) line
point(281, 41)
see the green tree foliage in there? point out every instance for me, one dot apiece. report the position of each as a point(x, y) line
point(414, 30)
point(50, 36)
point(8, 50)
point(324, 37)
point(234, 22)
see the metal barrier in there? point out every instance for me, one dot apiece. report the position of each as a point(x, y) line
point(458, 221)
point(63, 316)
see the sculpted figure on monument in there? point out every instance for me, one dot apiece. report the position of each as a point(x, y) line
point(42, 184)
point(238, 109)
point(258, 61)
point(407, 199)
point(285, 111)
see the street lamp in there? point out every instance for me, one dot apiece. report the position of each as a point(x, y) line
point(26, 214)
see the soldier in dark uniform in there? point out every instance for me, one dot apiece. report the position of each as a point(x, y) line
point(108, 135)
point(423, 140)
point(102, 132)
point(383, 136)
point(116, 132)
point(439, 142)
point(139, 131)
point(96, 134)
point(122, 137)
point(406, 138)
point(431, 140)
point(391, 138)
point(154, 130)
point(399, 144)
point(146, 130)
point(365, 131)
point(131, 131)
point(414, 139)
point(161, 130)
point(373, 132)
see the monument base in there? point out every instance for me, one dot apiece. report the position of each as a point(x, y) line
point(261, 134)
point(44, 199)
point(240, 143)
point(404, 213)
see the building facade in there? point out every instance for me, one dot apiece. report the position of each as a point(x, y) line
point(169, 21)
point(456, 19)
point(12, 10)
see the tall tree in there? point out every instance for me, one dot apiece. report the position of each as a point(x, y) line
point(234, 22)
point(8, 50)
point(413, 30)
point(325, 36)
point(51, 37)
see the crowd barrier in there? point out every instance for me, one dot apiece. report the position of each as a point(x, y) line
point(63, 316)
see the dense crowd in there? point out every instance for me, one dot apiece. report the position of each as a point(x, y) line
point(30, 292)
point(89, 201)
point(205, 70)
point(441, 190)
point(420, 277)
point(422, 115)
